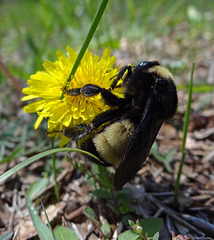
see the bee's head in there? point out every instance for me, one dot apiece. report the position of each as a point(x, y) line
point(154, 68)
point(146, 65)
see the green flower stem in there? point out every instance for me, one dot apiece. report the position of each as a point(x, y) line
point(185, 129)
point(54, 171)
point(90, 34)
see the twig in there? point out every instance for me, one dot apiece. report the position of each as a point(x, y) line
point(14, 204)
point(206, 192)
point(203, 238)
point(206, 226)
point(200, 208)
point(141, 210)
point(169, 224)
point(16, 232)
point(173, 214)
point(77, 231)
point(117, 231)
point(162, 194)
point(92, 231)
point(158, 213)
point(13, 80)
point(75, 213)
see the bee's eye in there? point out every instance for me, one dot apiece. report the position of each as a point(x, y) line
point(142, 65)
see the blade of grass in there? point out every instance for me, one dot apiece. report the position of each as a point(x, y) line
point(185, 129)
point(12, 155)
point(36, 187)
point(38, 156)
point(49, 224)
point(43, 231)
point(6, 236)
point(171, 12)
point(89, 36)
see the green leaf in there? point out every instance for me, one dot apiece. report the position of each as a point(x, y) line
point(168, 158)
point(94, 168)
point(125, 219)
point(105, 177)
point(136, 227)
point(101, 193)
point(128, 235)
point(90, 180)
point(41, 228)
point(151, 226)
point(36, 187)
point(164, 159)
point(106, 229)
point(6, 236)
point(131, 223)
point(63, 233)
point(89, 212)
point(124, 209)
point(124, 195)
point(156, 236)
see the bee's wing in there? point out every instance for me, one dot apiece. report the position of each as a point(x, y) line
point(141, 143)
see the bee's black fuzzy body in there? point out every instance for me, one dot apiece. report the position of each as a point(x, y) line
point(123, 135)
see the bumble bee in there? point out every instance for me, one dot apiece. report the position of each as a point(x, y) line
point(123, 135)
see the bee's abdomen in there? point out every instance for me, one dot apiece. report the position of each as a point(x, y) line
point(112, 142)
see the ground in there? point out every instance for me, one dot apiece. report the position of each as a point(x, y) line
point(152, 188)
point(151, 191)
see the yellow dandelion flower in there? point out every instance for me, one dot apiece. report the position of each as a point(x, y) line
point(47, 86)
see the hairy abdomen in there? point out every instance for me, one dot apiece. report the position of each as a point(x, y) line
point(111, 143)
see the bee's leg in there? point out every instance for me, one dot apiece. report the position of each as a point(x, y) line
point(90, 90)
point(74, 91)
point(81, 130)
point(105, 117)
point(77, 132)
point(109, 98)
point(121, 74)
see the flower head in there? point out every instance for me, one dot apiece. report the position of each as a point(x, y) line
point(46, 87)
